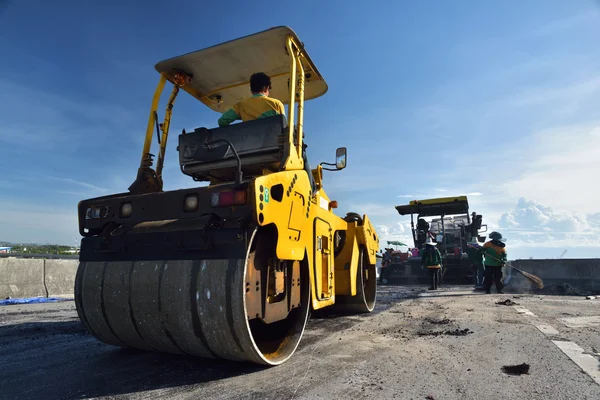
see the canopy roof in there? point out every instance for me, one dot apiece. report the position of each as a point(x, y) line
point(224, 70)
point(433, 207)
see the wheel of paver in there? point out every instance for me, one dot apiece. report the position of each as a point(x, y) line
point(204, 308)
point(366, 286)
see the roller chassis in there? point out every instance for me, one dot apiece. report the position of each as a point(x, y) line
point(164, 244)
point(230, 270)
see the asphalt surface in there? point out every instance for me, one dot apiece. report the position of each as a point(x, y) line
point(449, 344)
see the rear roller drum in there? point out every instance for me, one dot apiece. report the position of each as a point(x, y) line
point(242, 310)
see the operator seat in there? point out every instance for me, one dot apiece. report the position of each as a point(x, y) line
point(259, 144)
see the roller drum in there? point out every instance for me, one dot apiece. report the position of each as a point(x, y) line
point(366, 290)
point(191, 307)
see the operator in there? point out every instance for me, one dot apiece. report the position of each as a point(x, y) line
point(494, 252)
point(260, 105)
point(387, 258)
point(422, 231)
point(475, 254)
point(431, 258)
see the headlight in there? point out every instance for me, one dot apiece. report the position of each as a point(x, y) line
point(191, 202)
point(96, 212)
point(126, 209)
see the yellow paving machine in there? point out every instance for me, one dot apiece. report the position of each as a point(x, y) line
point(451, 226)
point(230, 269)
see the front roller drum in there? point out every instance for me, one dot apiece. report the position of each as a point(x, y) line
point(366, 290)
point(190, 307)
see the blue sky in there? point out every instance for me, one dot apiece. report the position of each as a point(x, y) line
point(497, 100)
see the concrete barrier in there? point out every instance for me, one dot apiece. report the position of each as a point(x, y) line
point(59, 276)
point(457, 271)
point(564, 276)
point(38, 277)
point(560, 276)
point(21, 278)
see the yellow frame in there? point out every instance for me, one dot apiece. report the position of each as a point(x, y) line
point(294, 160)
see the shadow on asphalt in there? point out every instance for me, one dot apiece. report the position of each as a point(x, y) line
point(59, 360)
point(75, 365)
point(67, 363)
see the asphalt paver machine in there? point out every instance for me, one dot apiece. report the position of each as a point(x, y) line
point(451, 226)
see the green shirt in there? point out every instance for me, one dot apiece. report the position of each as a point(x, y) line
point(494, 253)
point(431, 256)
point(475, 255)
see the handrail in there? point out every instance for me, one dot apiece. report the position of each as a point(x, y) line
point(165, 133)
point(296, 85)
point(150, 128)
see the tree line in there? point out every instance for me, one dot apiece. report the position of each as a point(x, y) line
point(41, 249)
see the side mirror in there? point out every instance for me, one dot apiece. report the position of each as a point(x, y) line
point(340, 158)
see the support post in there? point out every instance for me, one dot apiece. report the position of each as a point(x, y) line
point(151, 121)
point(165, 133)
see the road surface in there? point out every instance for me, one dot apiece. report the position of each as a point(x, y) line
point(449, 344)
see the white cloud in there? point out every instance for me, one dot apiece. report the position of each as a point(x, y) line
point(532, 225)
point(532, 216)
point(396, 229)
point(560, 169)
point(397, 232)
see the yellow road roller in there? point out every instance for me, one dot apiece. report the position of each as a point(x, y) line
point(231, 267)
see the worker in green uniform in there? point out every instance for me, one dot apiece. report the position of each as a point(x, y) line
point(431, 258)
point(385, 263)
point(494, 252)
point(475, 254)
